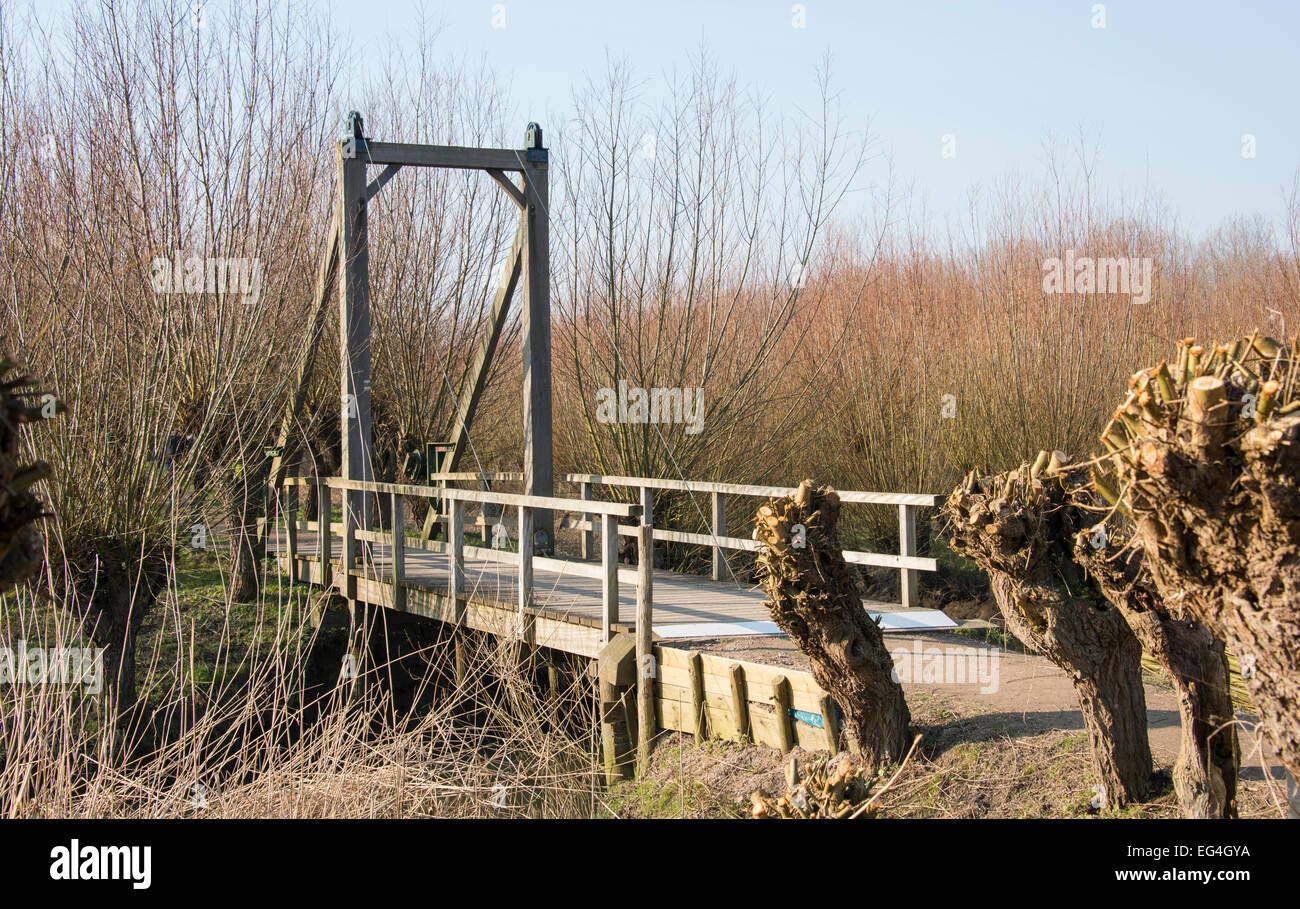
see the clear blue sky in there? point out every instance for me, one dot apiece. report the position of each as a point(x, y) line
point(1168, 88)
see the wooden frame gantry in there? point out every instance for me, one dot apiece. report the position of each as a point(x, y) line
point(346, 252)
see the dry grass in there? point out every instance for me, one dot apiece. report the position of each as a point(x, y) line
point(970, 765)
point(257, 717)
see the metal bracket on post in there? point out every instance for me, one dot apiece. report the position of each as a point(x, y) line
point(533, 148)
point(354, 142)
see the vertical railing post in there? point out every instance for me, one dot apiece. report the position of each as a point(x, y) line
point(351, 504)
point(609, 575)
point(719, 530)
point(442, 507)
point(291, 529)
point(398, 512)
point(647, 517)
point(525, 565)
point(647, 671)
point(909, 580)
point(324, 532)
point(456, 557)
point(647, 503)
point(587, 535)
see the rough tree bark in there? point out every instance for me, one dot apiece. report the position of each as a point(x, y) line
point(246, 507)
point(1205, 772)
point(1208, 458)
point(814, 597)
point(20, 509)
point(1018, 528)
point(247, 549)
point(115, 589)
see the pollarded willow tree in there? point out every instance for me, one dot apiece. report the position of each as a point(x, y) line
point(1019, 528)
point(1092, 529)
point(813, 595)
point(1206, 769)
point(1207, 450)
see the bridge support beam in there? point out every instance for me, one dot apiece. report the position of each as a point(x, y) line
point(539, 478)
point(617, 670)
point(354, 338)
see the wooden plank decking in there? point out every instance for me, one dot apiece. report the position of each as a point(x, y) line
point(720, 608)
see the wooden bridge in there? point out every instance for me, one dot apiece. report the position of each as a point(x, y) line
point(588, 604)
point(518, 584)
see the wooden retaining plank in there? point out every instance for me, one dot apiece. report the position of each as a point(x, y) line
point(720, 687)
point(697, 699)
point(831, 722)
point(739, 702)
point(756, 674)
point(785, 722)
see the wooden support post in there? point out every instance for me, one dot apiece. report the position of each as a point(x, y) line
point(525, 566)
point(740, 702)
point(324, 532)
point(647, 670)
point(719, 530)
point(647, 498)
point(399, 551)
point(437, 511)
point(539, 477)
point(609, 575)
point(588, 538)
point(909, 579)
point(291, 530)
point(456, 559)
point(462, 660)
point(354, 338)
point(831, 723)
point(350, 548)
point(553, 682)
point(781, 697)
point(618, 673)
point(357, 661)
point(697, 699)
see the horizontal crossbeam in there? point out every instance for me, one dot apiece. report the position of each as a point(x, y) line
point(443, 156)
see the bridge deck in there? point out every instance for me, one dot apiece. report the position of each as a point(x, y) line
point(684, 605)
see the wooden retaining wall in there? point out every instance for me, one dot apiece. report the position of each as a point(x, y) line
point(712, 696)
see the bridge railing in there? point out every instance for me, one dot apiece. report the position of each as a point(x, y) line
point(906, 561)
point(355, 539)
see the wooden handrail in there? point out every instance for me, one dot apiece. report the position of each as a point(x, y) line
point(764, 492)
point(353, 536)
point(617, 509)
point(853, 557)
point(455, 477)
point(906, 562)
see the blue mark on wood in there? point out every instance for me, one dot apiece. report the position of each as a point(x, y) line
point(808, 719)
